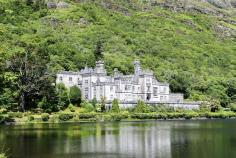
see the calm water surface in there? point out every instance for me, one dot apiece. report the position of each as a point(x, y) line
point(157, 139)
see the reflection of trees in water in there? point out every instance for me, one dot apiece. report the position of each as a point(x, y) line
point(204, 139)
point(165, 139)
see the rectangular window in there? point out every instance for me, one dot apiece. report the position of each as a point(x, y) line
point(60, 78)
point(155, 91)
point(161, 99)
point(70, 79)
point(165, 98)
point(111, 88)
point(94, 92)
point(86, 81)
point(164, 90)
point(127, 87)
point(101, 90)
point(133, 88)
point(78, 81)
point(139, 89)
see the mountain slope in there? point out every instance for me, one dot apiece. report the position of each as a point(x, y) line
point(191, 46)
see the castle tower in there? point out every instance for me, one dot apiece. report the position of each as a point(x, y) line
point(137, 68)
point(100, 67)
point(116, 72)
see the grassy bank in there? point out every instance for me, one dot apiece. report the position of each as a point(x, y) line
point(21, 118)
point(89, 113)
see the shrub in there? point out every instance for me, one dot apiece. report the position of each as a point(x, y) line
point(2, 119)
point(107, 117)
point(162, 116)
point(170, 115)
point(5, 119)
point(49, 111)
point(94, 102)
point(116, 117)
point(190, 115)
point(152, 108)
point(45, 116)
point(215, 105)
point(233, 107)
point(71, 107)
point(38, 110)
point(115, 106)
point(15, 114)
point(164, 108)
point(87, 106)
point(98, 108)
point(144, 116)
point(87, 115)
point(65, 116)
point(3, 111)
point(141, 107)
point(125, 114)
point(31, 118)
point(204, 107)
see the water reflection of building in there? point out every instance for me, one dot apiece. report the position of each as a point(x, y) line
point(130, 141)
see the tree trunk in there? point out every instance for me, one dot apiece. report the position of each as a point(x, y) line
point(22, 101)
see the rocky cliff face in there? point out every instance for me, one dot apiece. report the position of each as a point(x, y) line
point(226, 4)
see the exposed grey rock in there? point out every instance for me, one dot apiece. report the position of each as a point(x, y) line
point(83, 22)
point(51, 21)
point(233, 3)
point(223, 31)
point(220, 3)
point(51, 5)
point(62, 4)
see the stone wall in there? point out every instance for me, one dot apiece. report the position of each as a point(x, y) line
point(184, 105)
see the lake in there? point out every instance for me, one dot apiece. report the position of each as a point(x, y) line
point(147, 139)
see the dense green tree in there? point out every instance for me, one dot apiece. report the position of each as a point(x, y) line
point(94, 102)
point(218, 92)
point(214, 105)
point(231, 89)
point(63, 96)
point(33, 82)
point(115, 106)
point(103, 104)
point(180, 82)
point(98, 53)
point(75, 95)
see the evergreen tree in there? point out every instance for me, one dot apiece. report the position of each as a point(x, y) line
point(75, 95)
point(63, 96)
point(141, 107)
point(98, 50)
point(103, 104)
point(115, 106)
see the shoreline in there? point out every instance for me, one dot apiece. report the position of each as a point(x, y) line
point(21, 122)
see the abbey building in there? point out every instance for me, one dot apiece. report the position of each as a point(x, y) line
point(142, 85)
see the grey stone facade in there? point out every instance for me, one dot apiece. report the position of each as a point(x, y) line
point(142, 85)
